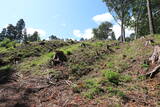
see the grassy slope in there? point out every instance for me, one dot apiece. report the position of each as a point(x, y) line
point(101, 75)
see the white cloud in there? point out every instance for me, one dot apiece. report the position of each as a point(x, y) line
point(102, 18)
point(41, 32)
point(32, 30)
point(87, 34)
point(117, 31)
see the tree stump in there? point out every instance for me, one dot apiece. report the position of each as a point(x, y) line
point(149, 42)
point(155, 71)
point(59, 58)
point(155, 58)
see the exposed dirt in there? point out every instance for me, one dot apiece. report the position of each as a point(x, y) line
point(19, 90)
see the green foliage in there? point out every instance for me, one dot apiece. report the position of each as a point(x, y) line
point(145, 65)
point(53, 37)
point(93, 92)
point(69, 49)
point(76, 89)
point(6, 68)
point(13, 32)
point(110, 64)
point(7, 43)
point(112, 77)
point(115, 77)
point(34, 37)
point(126, 78)
point(104, 31)
point(93, 88)
point(115, 92)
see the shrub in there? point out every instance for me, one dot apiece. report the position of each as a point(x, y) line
point(4, 42)
point(92, 92)
point(76, 88)
point(112, 77)
point(126, 78)
point(115, 92)
point(145, 65)
point(7, 43)
point(93, 88)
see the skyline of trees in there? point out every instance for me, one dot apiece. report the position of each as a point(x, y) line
point(140, 15)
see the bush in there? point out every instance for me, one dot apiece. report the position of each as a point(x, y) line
point(93, 88)
point(126, 78)
point(4, 42)
point(7, 43)
point(115, 92)
point(112, 77)
point(93, 92)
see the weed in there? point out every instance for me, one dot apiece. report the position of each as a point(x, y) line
point(93, 88)
point(112, 77)
point(144, 65)
point(126, 78)
point(76, 88)
point(110, 65)
point(115, 92)
point(93, 92)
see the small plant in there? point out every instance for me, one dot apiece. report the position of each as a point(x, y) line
point(126, 78)
point(7, 43)
point(76, 88)
point(93, 88)
point(110, 65)
point(93, 92)
point(112, 77)
point(6, 68)
point(145, 65)
point(91, 83)
point(115, 92)
point(68, 53)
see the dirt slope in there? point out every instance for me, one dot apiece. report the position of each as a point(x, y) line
point(96, 74)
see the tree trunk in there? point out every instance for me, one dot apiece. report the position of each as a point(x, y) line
point(122, 31)
point(150, 17)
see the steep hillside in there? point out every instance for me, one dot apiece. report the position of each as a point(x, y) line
point(95, 74)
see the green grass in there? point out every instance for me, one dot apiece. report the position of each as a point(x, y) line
point(145, 65)
point(70, 49)
point(93, 88)
point(115, 77)
point(34, 65)
point(111, 76)
point(115, 92)
point(5, 68)
point(3, 49)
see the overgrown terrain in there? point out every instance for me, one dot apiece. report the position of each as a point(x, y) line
point(96, 74)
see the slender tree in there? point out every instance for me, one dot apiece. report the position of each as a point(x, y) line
point(120, 11)
point(19, 28)
point(150, 17)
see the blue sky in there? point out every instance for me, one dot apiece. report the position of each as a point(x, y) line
point(63, 18)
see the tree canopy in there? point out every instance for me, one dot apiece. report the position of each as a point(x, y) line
point(104, 31)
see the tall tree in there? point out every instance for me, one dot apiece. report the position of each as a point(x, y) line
point(104, 31)
point(150, 17)
point(25, 38)
point(3, 34)
point(120, 11)
point(53, 37)
point(11, 32)
point(19, 27)
point(140, 20)
point(34, 37)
